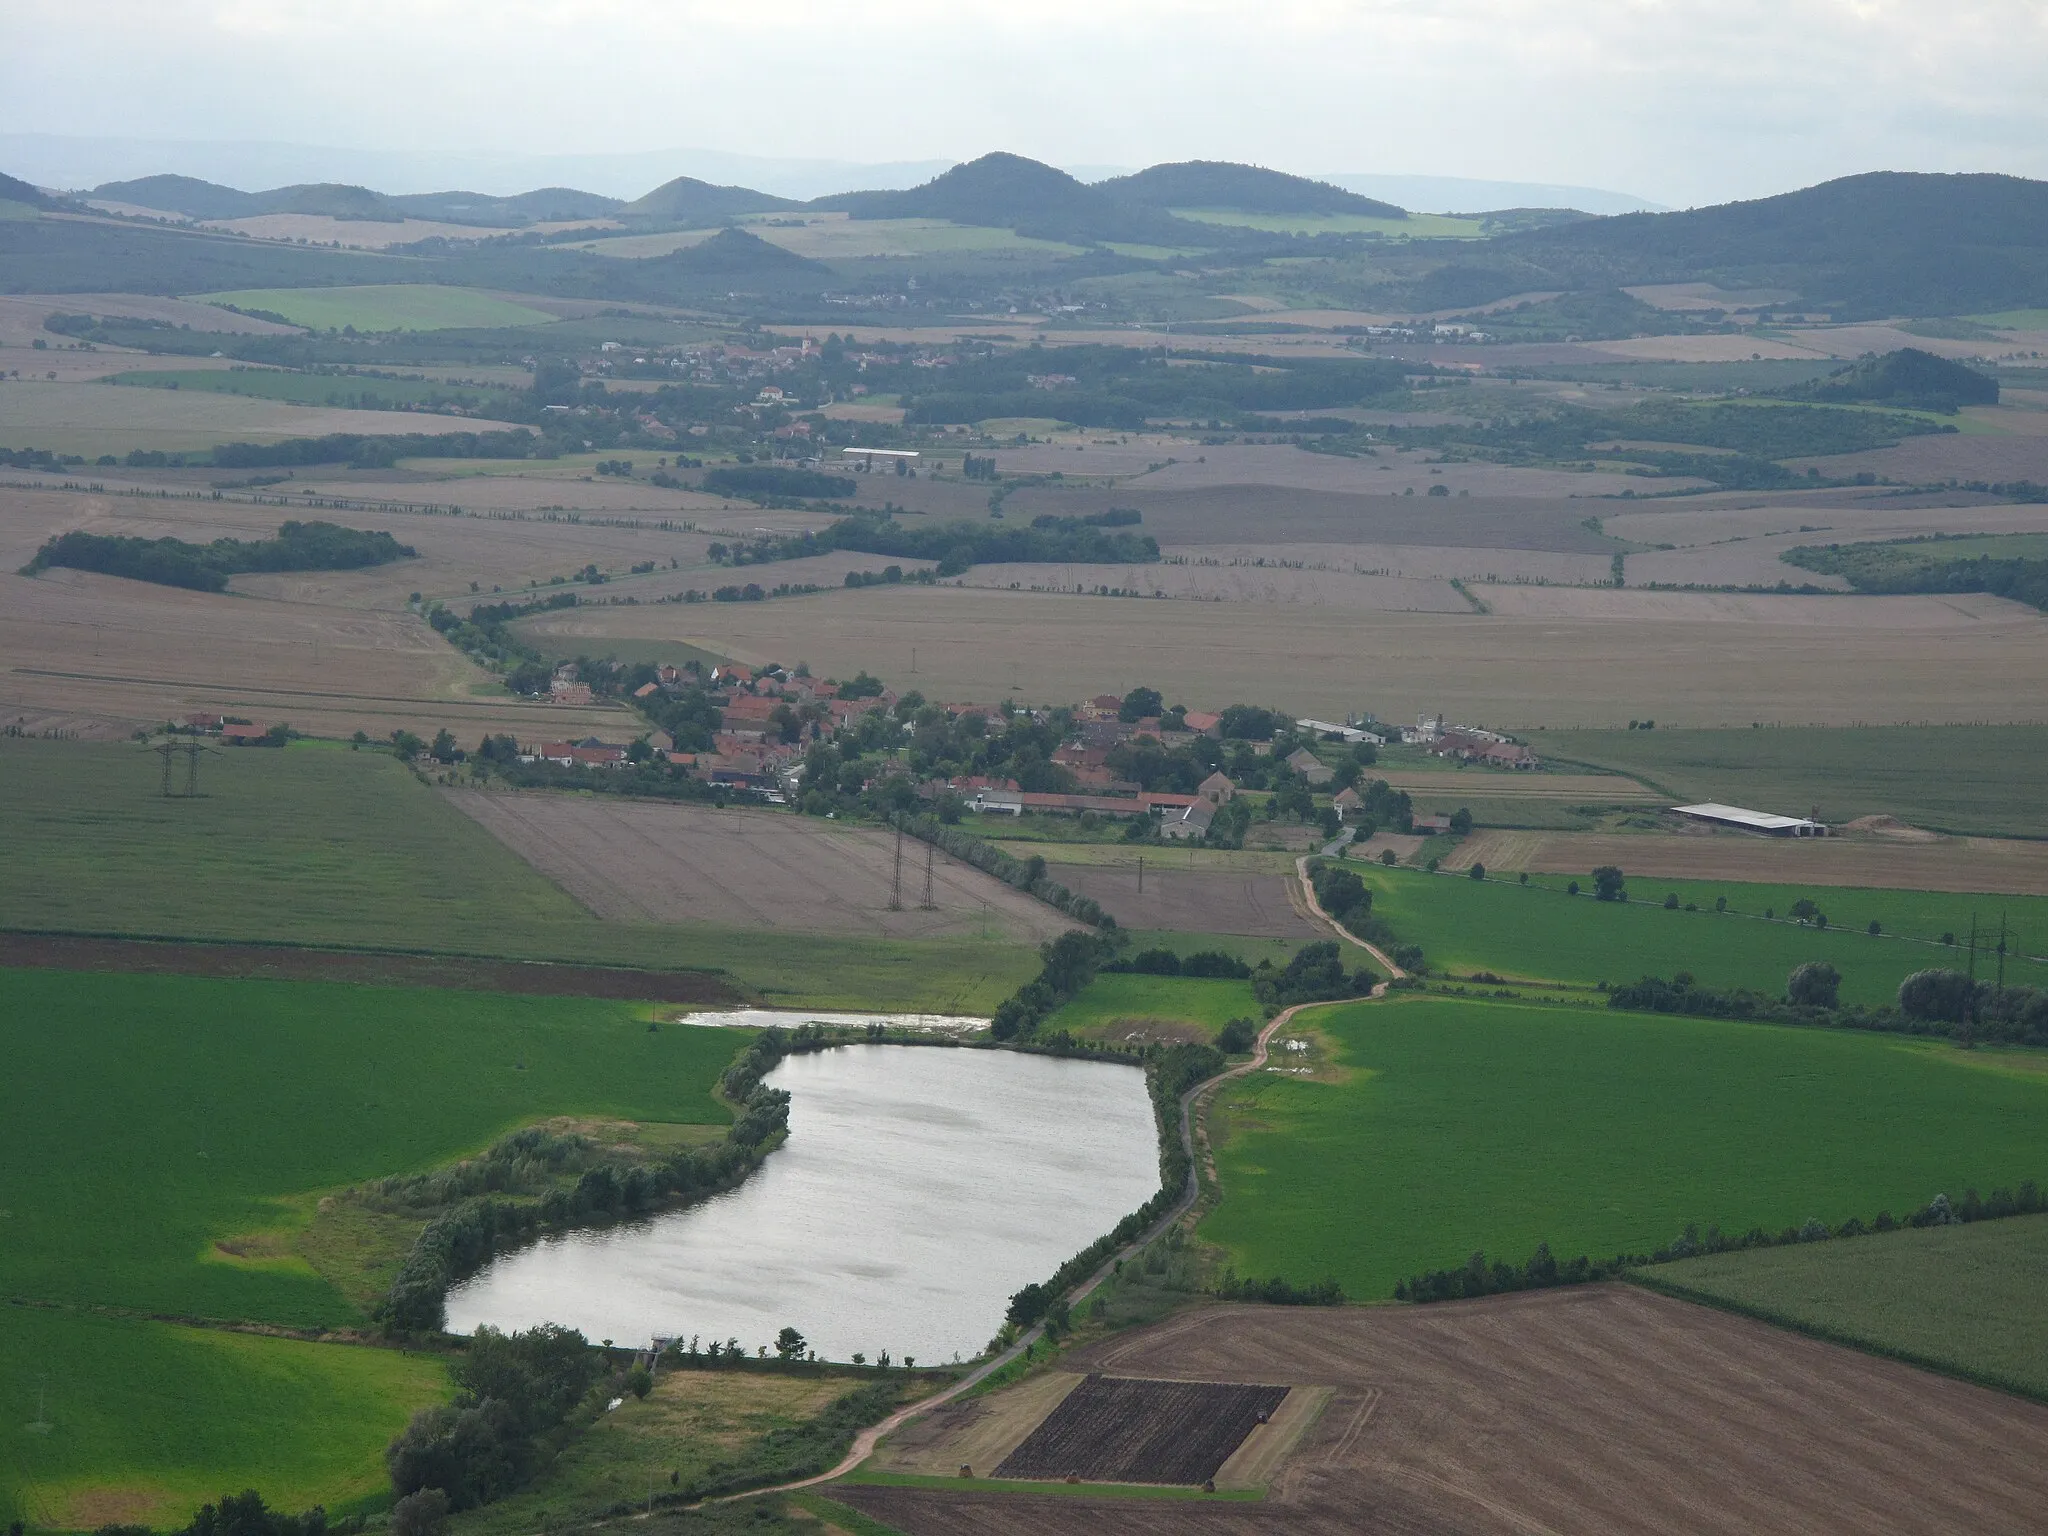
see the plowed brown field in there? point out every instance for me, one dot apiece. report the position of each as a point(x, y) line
point(1601, 1408)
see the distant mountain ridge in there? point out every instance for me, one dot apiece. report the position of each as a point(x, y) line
point(688, 200)
point(1240, 188)
point(1886, 242)
point(1005, 191)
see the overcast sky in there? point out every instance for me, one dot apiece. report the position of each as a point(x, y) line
point(1679, 101)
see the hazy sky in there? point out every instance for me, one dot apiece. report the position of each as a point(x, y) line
point(1681, 101)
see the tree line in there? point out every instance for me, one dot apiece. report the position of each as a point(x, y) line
point(173, 562)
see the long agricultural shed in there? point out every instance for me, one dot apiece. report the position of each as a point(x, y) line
point(1762, 822)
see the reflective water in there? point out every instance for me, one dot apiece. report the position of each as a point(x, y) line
point(919, 1188)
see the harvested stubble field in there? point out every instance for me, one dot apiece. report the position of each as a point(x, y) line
point(1980, 864)
point(1841, 661)
point(1248, 512)
point(22, 314)
point(1964, 456)
point(1232, 584)
point(327, 651)
point(1274, 470)
point(1598, 1409)
point(93, 419)
point(1991, 780)
point(1476, 563)
point(1753, 560)
point(652, 863)
point(1113, 1429)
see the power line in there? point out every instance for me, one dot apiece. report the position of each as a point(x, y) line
point(896, 882)
point(928, 905)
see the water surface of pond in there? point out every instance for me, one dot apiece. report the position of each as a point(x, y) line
point(919, 1188)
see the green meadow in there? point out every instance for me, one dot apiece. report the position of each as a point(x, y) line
point(314, 845)
point(108, 1419)
point(1990, 780)
point(1964, 1298)
point(1437, 1127)
point(1112, 1007)
point(349, 390)
point(143, 1119)
point(1537, 932)
point(383, 307)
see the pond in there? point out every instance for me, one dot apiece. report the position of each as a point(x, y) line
point(919, 1188)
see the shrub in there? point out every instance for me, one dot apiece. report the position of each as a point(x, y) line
point(1237, 1037)
point(1814, 985)
point(420, 1514)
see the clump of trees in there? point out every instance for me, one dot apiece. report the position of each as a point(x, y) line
point(1316, 974)
point(207, 567)
point(1207, 964)
point(1936, 1001)
point(515, 1392)
point(1277, 1292)
point(237, 1514)
point(1068, 963)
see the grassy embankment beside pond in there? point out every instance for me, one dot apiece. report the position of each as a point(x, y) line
point(165, 1142)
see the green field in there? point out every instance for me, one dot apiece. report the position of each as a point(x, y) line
point(347, 390)
point(147, 1421)
point(320, 846)
point(383, 307)
point(163, 1144)
point(1117, 1007)
point(1417, 226)
point(1986, 779)
point(1963, 1298)
point(1537, 932)
point(143, 1119)
point(1459, 1126)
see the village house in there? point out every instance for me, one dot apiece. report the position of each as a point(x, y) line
point(1348, 804)
point(1188, 824)
point(1201, 723)
point(1310, 767)
point(1217, 789)
point(587, 753)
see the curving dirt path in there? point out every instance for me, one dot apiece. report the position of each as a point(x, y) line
point(1308, 893)
point(865, 1442)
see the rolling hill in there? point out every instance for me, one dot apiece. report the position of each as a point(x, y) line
point(689, 201)
point(15, 190)
point(1004, 191)
point(1220, 184)
point(1888, 242)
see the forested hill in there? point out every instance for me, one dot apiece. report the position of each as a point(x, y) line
point(687, 200)
point(1889, 242)
point(1241, 188)
point(1003, 191)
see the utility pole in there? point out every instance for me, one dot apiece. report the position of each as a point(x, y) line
point(1970, 996)
point(2001, 954)
point(1141, 874)
point(928, 904)
point(896, 882)
point(192, 771)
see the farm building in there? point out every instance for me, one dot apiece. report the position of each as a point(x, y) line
point(1188, 824)
point(1217, 789)
point(1309, 766)
point(1761, 822)
point(1353, 734)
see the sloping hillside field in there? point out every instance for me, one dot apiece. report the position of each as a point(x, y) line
point(1597, 1132)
